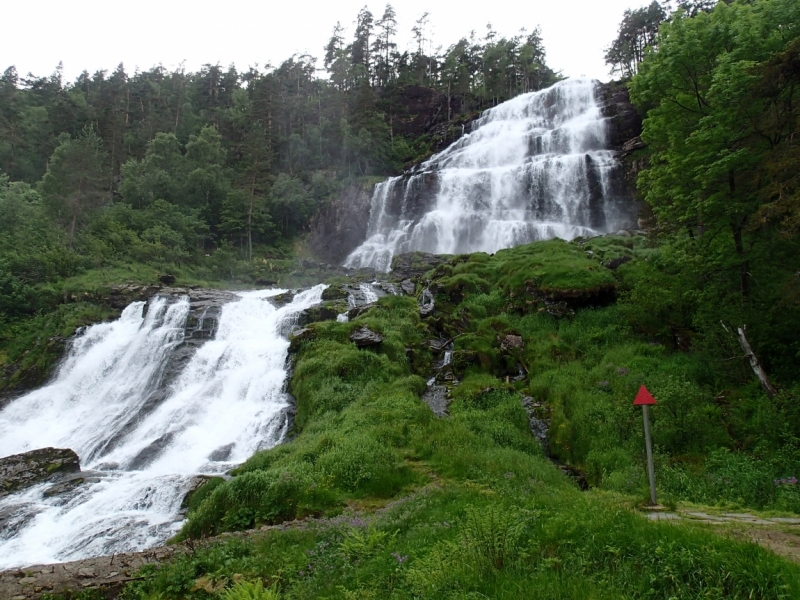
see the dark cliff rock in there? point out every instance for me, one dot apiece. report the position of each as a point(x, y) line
point(297, 338)
point(624, 121)
point(444, 134)
point(415, 264)
point(340, 227)
point(21, 471)
point(420, 109)
point(625, 129)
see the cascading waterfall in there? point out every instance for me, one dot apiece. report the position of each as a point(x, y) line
point(226, 403)
point(535, 167)
point(365, 295)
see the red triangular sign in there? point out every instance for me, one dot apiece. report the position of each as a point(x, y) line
point(644, 397)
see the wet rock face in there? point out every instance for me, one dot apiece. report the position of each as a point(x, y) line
point(21, 471)
point(340, 227)
point(335, 292)
point(298, 337)
point(365, 337)
point(624, 121)
point(420, 109)
point(205, 307)
point(408, 287)
point(415, 264)
point(435, 396)
point(326, 311)
point(538, 424)
point(284, 298)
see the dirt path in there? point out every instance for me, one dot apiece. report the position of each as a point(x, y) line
point(779, 534)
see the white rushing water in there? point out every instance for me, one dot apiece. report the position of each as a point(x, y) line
point(146, 441)
point(535, 167)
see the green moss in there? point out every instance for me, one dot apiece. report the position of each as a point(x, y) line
point(31, 347)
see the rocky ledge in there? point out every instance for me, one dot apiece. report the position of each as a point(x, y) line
point(106, 573)
point(21, 471)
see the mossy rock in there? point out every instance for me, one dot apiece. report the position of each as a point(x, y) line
point(327, 311)
point(21, 471)
point(299, 337)
point(334, 292)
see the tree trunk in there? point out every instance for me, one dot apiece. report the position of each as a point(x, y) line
point(736, 226)
point(72, 225)
point(744, 268)
point(250, 219)
point(756, 366)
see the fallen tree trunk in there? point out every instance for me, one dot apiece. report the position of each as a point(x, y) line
point(756, 366)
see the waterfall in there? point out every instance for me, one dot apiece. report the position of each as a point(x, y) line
point(142, 440)
point(535, 167)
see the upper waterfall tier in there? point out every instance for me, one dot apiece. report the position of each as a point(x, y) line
point(536, 167)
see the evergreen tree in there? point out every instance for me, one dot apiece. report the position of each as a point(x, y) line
point(637, 32)
point(75, 179)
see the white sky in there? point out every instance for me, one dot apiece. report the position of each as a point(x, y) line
point(99, 34)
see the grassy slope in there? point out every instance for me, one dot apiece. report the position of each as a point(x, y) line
point(468, 505)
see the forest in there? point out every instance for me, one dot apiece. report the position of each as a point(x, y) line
point(163, 168)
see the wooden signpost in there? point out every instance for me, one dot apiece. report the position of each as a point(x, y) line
point(645, 399)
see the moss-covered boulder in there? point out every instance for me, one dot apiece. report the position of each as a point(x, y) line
point(335, 292)
point(21, 471)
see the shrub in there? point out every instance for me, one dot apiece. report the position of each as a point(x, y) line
point(250, 590)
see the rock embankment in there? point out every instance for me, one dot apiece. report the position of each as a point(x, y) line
point(106, 573)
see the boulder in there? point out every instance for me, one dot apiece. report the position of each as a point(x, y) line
point(298, 337)
point(511, 342)
point(334, 292)
point(364, 337)
point(283, 299)
point(408, 287)
point(318, 313)
point(21, 471)
point(357, 311)
point(632, 145)
point(427, 305)
point(616, 263)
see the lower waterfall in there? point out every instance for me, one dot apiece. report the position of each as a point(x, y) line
point(142, 441)
point(535, 167)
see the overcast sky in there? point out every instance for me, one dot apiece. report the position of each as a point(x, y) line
point(99, 34)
